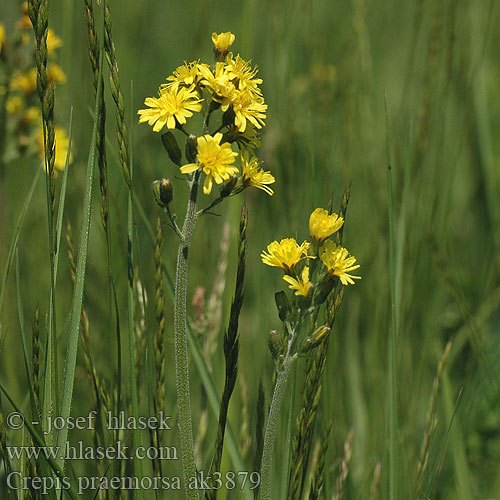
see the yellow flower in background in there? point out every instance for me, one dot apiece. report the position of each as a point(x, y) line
point(55, 74)
point(61, 146)
point(338, 262)
point(172, 107)
point(14, 105)
point(253, 175)
point(24, 82)
point(223, 41)
point(215, 159)
point(302, 285)
point(2, 36)
point(32, 115)
point(322, 225)
point(53, 42)
point(186, 75)
point(285, 254)
point(25, 22)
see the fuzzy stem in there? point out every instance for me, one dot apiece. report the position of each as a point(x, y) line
point(181, 352)
point(272, 423)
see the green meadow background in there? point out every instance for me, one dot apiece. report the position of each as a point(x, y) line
point(345, 81)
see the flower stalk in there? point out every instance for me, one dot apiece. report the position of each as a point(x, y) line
point(181, 347)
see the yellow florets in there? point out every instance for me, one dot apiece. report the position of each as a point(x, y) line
point(223, 41)
point(253, 175)
point(322, 225)
point(215, 159)
point(173, 106)
point(285, 254)
point(301, 284)
point(338, 262)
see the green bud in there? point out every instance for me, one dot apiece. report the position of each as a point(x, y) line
point(171, 147)
point(163, 192)
point(315, 339)
point(191, 148)
point(274, 344)
point(282, 305)
point(323, 288)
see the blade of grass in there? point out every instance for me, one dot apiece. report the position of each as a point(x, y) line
point(393, 382)
point(15, 237)
point(70, 362)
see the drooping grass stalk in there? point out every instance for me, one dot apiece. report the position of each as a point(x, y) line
point(393, 341)
point(231, 349)
point(181, 353)
point(70, 362)
point(344, 468)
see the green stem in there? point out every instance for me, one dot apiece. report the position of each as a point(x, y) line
point(272, 424)
point(181, 349)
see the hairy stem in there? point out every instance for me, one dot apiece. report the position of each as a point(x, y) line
point(181, 348)
point(272, 425)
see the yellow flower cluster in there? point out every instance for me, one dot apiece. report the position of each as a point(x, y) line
point(336, 260)
point(231, 86)
point(22, 104)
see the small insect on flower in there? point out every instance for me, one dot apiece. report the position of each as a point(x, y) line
point(215, 159)
point(338, 262)
point(285, 254)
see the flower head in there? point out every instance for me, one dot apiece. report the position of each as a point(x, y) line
point(53, 42)
point(186, 75)
point(241, 71)
point(2, 36)
point(285, 254)
point(223, 41)
point(302, 285)
point(173, 106)
point(253, 175)
point(219, 83)
point(215, 159)
point(248, 107)
point(338, 262)
point(322, 225)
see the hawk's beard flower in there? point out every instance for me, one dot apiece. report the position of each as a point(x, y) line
point(219, 83)
point(186, 75)
point(338, 262)
point(285, 254)
point(173, 106)
point(302, 285)
point(215, 159)
point(248, 107)
point(322, 225)
point(253, 175)
point(223, 41)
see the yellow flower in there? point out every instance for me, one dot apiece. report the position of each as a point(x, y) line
point(223, 41)
point(253, 175)
point(25, 21)
point(219, 82)
point(285, 254)
point(55, 73)
point(25, 82)
point(241, 71)
point(61, 147)
point(186, 75)
point(173, 105)
point(53, 42)
point(302, 284)
point(322, 225)
point(215, 159)
point(338, 262)
point(14, 105)
point(2, 36)
point(248, 107)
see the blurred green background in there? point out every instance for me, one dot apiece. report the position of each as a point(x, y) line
point(329, 70)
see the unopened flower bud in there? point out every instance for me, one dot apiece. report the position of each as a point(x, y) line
point(191, 148)
point(282, 305)
point(274, 344)
point(222, 42)
point(228, 186)
point(163, 192)
point(315, 339)
point(171, 147)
